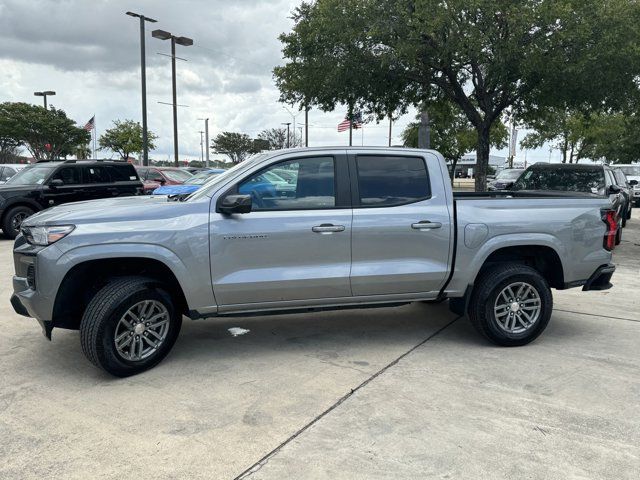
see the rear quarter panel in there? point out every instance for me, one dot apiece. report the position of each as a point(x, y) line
point(572, 227)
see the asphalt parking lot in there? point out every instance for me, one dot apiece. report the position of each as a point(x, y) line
point(408, 392)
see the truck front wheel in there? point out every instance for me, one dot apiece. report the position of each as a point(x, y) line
point(129, 326)
point(511, 304)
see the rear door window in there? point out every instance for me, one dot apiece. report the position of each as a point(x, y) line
point(387, 181)
point(96, 174)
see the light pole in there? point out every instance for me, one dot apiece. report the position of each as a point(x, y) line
point(45, 94)
point(143, 70)
point(201, 147)
point(186, 42)
point(294, 121)
point(206, 139)
point(287, 124)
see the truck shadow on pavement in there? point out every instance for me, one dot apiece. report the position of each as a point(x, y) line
point(362, 340)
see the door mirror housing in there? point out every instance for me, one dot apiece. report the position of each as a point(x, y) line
point(633, 183)
point(614, 190)
point(235, 204)
point(56, 182)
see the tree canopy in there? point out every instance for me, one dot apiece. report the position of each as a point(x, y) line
point(46, 134)
point(276, 138)
point(484, 55)
point(237, 146)
point(125, 138)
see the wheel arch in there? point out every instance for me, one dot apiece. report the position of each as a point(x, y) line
point(82, 281)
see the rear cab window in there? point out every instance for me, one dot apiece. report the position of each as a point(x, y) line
point(590, 180)
point(387, 181)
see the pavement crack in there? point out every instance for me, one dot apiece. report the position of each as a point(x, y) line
point(265, 459)
point(598, 315)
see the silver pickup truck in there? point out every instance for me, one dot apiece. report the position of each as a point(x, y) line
point(305, 230)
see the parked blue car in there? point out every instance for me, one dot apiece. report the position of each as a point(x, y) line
point(191, 185)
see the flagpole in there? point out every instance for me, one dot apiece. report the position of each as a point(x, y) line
point(350, 125)
point(95, 134)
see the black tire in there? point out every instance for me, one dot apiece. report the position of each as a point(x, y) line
point(101, 318)
point(489, 285)
point(13, 219)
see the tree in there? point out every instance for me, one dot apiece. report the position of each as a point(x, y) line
point(484, 55)
point(451, 133)
point(47, 134)
point(237, 146)
point(125, 138)
point(276, 138)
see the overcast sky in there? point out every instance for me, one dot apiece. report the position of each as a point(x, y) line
point(88, 52)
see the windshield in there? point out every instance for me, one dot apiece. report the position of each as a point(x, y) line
point(631, 170)
point(35, 175)
point(177, 175)
point(209, 187)
point(509, 174)
point(562, 180)
point(201, 178)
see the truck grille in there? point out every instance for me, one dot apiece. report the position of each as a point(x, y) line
point(31, 276)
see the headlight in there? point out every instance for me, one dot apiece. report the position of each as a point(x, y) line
point(44, 236)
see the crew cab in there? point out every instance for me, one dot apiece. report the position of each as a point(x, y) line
point(359, 227)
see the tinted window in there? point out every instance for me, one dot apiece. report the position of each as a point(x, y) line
point(96, 174)
point(122, 173)
point(176, 175)
point(68, 175)
point(311, 186)
point(142, 173)
point(388, 181)
point(35, 175)
point(562, 179)
point(6, 174)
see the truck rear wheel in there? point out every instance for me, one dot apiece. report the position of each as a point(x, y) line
point(511, 304)
point(129, 326)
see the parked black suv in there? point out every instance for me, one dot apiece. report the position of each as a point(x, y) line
point(593, 179)
point(45, 184)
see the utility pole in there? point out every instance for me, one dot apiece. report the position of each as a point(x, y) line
point(306, 127)
point(287, 124)
point(206, 140)
point(201, 147)
point(143, 71)
point(390, 123)
point(184, 41)
point(424, 131)
point(350, 113)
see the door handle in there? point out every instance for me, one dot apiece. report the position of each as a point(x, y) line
point(426, 225)
point(327, 228)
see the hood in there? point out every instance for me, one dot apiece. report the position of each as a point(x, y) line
point(176, 189)
point(120, 209)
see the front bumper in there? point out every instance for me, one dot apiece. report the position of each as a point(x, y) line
point(601, 278)
point(21, 309)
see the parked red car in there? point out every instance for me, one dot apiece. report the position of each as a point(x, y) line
point(154, 177)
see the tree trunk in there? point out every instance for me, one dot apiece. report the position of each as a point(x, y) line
point(452, 172)
point(482, 159)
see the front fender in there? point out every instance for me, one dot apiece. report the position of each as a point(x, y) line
point(51, 271)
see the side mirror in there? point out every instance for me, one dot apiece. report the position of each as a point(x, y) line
point(235, 204)
point(633, 183)
point(614, 190)
point(55, 183)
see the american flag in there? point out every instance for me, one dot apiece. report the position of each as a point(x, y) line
point(90, 125)
point(357, 122)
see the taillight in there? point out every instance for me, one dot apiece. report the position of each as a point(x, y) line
point(610, 218)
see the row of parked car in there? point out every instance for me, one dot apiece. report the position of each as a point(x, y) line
point(27, 189)
point(620, 183)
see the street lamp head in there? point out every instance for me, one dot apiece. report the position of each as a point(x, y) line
point(161, 34)
point(49, 92)
point(137, 15)
point(184, 41)
point(39, 94)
